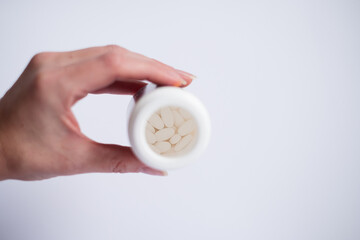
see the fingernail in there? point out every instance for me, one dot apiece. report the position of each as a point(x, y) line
point(188, 76)
point(182, 82)
point(154, 172)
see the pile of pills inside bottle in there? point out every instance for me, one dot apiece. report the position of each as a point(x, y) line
point(170, 131)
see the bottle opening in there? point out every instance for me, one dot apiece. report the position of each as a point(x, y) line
point(171, 131)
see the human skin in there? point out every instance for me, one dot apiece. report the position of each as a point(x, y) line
point(39, 135)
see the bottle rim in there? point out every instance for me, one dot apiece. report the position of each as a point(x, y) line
point(150, 103)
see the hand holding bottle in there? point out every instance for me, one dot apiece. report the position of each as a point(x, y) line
point(39, 135)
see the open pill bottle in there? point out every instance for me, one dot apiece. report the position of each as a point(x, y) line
point(168, 127)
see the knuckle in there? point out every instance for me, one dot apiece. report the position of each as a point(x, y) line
point(39, 59)
point(115, 48)
point(111, 59)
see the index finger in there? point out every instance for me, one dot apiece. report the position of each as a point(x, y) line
point(119, 64)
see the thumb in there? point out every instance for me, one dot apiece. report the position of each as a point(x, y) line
point(115, 158)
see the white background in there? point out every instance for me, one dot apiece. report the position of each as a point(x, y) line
point(281, 80)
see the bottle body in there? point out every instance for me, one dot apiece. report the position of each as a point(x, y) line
point(168, 127)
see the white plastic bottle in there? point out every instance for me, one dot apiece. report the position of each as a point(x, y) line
point(168, 127)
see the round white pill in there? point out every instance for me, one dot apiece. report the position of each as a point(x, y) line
point(183, 143)
point(163, 146)
point(164, 134)
point(156, 121)
point(187, 127)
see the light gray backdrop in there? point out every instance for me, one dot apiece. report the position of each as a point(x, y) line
point(281, 80)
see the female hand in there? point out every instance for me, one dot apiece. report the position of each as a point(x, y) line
point(39, 135)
